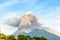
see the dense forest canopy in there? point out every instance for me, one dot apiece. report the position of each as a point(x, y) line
point(20, 37)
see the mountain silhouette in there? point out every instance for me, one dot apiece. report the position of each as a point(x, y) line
point(42, 32)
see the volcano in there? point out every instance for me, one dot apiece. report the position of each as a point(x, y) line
point(30, 26)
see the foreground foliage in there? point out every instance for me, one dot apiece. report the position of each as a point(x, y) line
point(20, 37)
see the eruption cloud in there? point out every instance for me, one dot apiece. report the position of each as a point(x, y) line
point(25, 23)
point(20, 24)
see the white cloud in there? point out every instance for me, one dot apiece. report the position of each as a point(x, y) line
point(11, 27)
point(8, 3)
point(55, 30)
point(52, 18)
point(7, 29)
point(12, 2)
point(8, 15)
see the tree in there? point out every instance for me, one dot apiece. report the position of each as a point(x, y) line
point(29, 38)
point(43, 38)
point(3, 37)
point(11, 37)
point(39, 38)
point(35, 38)
point(22, 37)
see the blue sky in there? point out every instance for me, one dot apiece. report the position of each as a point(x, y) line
point(48, 11)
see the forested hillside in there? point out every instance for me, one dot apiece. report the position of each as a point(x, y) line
point(20, 37)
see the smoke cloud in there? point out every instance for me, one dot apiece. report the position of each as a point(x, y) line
point(25, 23)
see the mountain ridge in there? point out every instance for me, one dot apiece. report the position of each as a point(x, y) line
point(42, 32)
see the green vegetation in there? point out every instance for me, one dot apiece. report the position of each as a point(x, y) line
point(3, 37)
point(20, 37)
